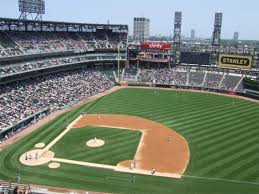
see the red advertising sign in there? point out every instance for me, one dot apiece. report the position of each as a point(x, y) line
point(156, 45)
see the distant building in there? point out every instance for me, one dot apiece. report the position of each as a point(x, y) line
point(236, 35)
point(192, 34)
point(141, 29)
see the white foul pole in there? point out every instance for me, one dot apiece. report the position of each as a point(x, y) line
point(118, 56)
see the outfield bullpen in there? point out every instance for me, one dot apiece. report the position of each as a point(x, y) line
point(222, 134)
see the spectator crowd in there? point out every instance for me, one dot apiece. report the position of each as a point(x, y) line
point(21, 43)
point(164, 76)
point(23, 99)
point(6, 70)
point(186, 77)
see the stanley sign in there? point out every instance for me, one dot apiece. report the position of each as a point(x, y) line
point(235, 61)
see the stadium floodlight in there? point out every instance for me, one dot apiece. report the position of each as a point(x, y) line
point(177, 36)
point(177, 26)
point(31, 7)
point(217, 29)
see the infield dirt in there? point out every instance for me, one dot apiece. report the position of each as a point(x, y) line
point(160, 147)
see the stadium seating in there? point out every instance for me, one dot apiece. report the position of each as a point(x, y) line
point(178, 76)
point(130, 74)
point(21, 43)
point(7, 70)
point(213, 80)
point(22, 99)
point(196, 78)
point(230, 82)
point(163, 76)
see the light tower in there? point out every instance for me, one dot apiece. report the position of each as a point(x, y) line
point(33, 8)
point(177, 29)
point(216, 37)
point(217, 30)
point(177, 37)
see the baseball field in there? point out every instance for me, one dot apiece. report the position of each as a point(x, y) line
point(210, 141)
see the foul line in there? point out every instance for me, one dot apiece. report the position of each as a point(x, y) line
point(219, 179)
point(61, 134)
point(115, 168)
point(88, 164)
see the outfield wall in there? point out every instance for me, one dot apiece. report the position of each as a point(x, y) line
point(243, 94)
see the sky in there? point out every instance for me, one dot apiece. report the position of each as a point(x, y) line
point(238, 15)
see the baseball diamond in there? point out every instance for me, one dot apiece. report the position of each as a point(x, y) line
point(222, 150)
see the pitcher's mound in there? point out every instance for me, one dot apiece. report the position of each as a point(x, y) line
point(54, 165)
point(95, 143)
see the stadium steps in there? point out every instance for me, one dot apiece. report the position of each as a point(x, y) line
point(123, 72)
point(204, 79)
point(13, 43)
point(6, 41)
point(138, 72)
point(221, 81)
point(187, 79)
point(238, 84)
point(2, 50)
point(116, 79)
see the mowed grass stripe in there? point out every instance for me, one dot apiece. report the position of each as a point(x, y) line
point(113, 146)
point(115, 155)
point(218, 116)
point(188, 114)
point(182, 108)
point(243, 163)
point(246, 174)
point(219, 119)
point(228, 166)
point(119, 143)
point(249, 174)
point(229, 152)
point(236, 141)
point(220, 133)
point(224, 162)
point(206, 118)
point(218, 127)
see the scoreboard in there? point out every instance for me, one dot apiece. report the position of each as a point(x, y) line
point(200, 58)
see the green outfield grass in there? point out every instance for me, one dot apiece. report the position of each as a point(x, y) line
point(222, 133)
point(120, 145)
